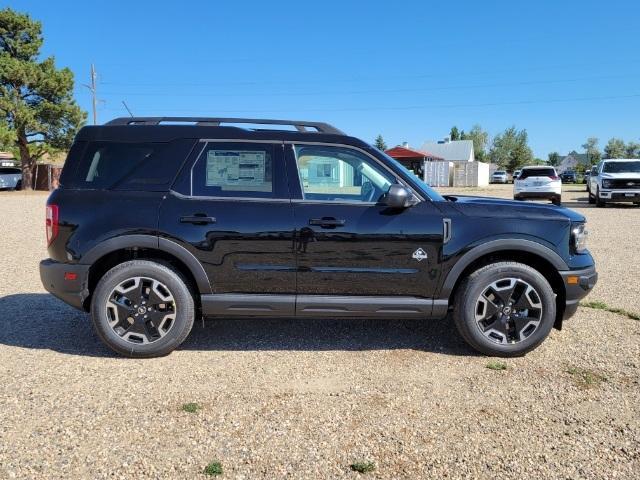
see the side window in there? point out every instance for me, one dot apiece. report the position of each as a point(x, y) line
point(340, 174)
point(248, 170)
point(125, 166)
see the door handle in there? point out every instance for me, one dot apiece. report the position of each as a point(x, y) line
point(197, 219)
point(327, 222)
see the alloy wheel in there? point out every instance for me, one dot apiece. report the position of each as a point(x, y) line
point(508, 311)
point(141, 310)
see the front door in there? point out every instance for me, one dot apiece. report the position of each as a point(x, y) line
point(231, 209)
point(347, 242)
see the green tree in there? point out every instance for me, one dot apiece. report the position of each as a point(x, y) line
point(454, 134)
point(554, 159)
point(615, 148)
point(510, 149)
point(480, 140)
point(591, 149)
point(632, 150)
point(380, 144)
point(38, 114)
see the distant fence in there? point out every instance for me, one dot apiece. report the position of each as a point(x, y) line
point(45, 177)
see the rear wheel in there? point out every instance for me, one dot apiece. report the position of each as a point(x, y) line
point(142, 309)
point(505, 309)
point(557, 201)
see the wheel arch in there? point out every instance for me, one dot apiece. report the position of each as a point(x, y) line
point(117, 250)
point(530, 253)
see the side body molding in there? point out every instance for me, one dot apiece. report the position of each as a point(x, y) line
point(151, 241)
point(497, 246)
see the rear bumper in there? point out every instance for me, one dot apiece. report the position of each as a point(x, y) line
point(73, 289)
point(547, 195)
point(578, 284)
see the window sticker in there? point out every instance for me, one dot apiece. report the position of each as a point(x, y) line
point(237, 170)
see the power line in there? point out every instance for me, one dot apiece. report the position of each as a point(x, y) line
point(372, 92)
point(424, 107)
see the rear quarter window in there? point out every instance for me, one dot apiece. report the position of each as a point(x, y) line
point(126, 166)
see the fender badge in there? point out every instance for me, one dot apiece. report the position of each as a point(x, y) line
point(419, 255)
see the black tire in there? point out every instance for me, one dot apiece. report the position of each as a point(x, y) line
point(19, 185)
point(468, 295)
point(182, 304)
point(599, 203)
point(557, 201)
point(592, 200)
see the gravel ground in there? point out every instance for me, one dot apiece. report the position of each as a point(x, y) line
point(306, 398)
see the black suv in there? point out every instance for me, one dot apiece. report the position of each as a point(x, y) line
point(162, 221)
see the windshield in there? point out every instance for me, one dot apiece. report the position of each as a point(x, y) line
point(499, 173)
point(621, 167)
point(537, 172)
point(426, 189)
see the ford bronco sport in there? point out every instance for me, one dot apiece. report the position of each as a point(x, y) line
point(161, 221)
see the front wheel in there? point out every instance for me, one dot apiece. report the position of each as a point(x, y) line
point(505, 309)
point(142, 309)
point(599, 203)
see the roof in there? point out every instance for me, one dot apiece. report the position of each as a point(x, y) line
point(300, 125)
point(171, 131)
point(454, 150)
point(403, 152)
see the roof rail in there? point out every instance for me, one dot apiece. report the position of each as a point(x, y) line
point(301, 126)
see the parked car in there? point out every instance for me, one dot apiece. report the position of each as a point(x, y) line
point(515, 175)
point(10, 178)
point(499, 176)
point(538, 183)
point(569, 177)
point(615, 180)
point(157, 224)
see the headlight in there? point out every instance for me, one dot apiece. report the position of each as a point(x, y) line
point(607, 184)
point(579, 236)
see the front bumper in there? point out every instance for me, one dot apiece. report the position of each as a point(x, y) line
point(620, 195)
point(68, 282)
point(578, 284)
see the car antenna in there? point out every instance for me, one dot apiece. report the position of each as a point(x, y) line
point(125, 106)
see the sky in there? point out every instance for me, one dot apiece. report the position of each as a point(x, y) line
point(563, 70)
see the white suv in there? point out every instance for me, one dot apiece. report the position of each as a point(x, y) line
point(538, 182)
point(615, 180)
point(10, 178)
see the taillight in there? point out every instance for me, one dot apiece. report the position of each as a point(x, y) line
point(554, 177)
point(51, 223)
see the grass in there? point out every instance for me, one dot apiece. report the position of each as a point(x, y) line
point(363, 467)
point(213, 469)
point(585, 378)
point(496, 365)
point(598, 305)
point(191, 407)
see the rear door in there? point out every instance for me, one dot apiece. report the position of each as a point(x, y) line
point(347, 242)
point(230, 207)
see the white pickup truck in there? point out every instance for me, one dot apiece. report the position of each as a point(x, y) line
point(10, 178)
point(615, 180)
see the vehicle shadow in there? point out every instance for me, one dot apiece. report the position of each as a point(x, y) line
point(40, 321)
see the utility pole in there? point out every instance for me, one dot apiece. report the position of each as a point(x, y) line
point(92, 89)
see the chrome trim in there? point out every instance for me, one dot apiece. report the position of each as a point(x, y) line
point(235, 199)
point(236, 140)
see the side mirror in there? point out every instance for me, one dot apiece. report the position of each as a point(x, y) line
point(398, 196)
